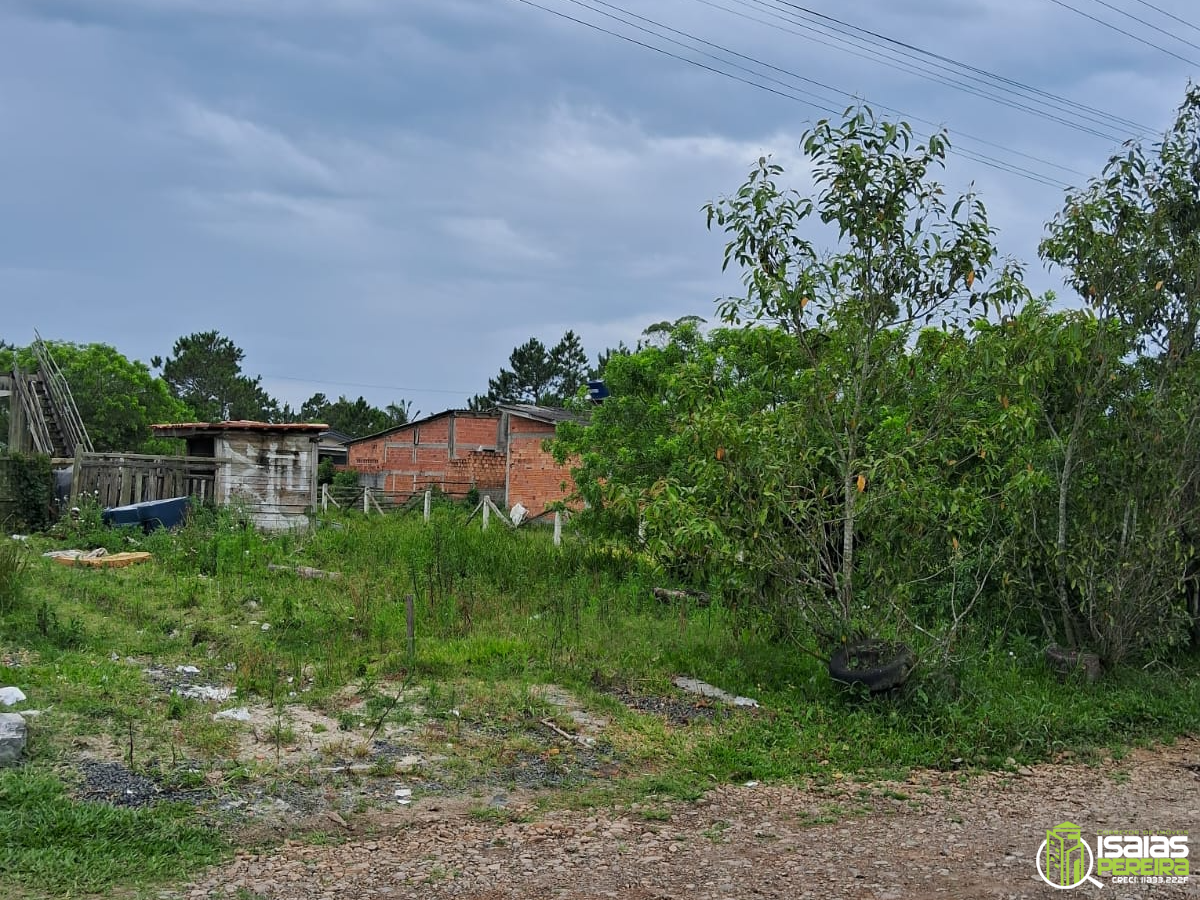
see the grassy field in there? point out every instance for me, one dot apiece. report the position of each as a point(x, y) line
point(498, 616)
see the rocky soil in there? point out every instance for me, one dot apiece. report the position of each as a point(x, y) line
point(938, 835)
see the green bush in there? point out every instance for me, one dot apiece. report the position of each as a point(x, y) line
point(13, 563)
point(32, 485)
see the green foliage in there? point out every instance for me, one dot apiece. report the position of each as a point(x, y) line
point(205, 372)
point(14, 563)
point(67, 847)
point(31, 484)
point(539, 375)
point(356, 418)
point(118, 398)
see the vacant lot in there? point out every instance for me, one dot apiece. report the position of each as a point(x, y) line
point(217, 698)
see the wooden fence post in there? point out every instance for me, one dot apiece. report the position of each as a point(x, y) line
point(324, 498)
point(428, 502)
point(557, 528)
point(487, 515)
point(76, 474)
point(366, 501)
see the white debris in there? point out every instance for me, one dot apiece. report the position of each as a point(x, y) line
point(10, 696)
point(404, 796)
point(206, 692)
point(704, 689)
point(266, 626)
point(518, 514)
point(240, 714)
point(187, 670)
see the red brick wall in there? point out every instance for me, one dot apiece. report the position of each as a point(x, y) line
point(418, 456)
point(535, 480)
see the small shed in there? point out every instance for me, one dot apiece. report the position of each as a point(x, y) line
point(332, 447)
point(271, 468)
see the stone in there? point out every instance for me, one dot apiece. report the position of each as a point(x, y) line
point(10, 696)
point(240, 714)
point(13, 735)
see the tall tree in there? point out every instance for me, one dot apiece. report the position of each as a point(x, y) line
point(205, 372)
point(538, 375)
point(353, 417)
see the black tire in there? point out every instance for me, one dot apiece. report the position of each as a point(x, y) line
point(879, 665)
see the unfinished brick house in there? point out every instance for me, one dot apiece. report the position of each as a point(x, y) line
point(453, 451)
point(498, 452)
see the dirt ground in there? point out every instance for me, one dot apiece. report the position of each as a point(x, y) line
point(935, 836)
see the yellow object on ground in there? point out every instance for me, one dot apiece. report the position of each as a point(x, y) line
point(109, 561)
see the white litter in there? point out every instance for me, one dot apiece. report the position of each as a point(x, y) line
point(704, 689)
point(241, 714)
point(187, 670)
point(10, 696)
point(206, 692)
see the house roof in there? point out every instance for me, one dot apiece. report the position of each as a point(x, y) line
point(457, 413)
point(339, 436)
point(551, 415)
point(193, 429)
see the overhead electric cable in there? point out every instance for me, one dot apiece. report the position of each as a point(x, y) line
point(1149, 25)
point(845, 94)
point(1169, 15)
point(785, 93)
point(1128, 34)
point(906, 55)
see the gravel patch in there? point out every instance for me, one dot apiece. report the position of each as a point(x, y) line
point(932, 837)
point(114, 783)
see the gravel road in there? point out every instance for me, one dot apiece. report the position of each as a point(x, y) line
point(934, 836)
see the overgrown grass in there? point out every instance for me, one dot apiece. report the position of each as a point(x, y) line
point(58, 845)
point(496, 613)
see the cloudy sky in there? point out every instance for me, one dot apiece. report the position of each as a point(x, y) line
point(384, 197)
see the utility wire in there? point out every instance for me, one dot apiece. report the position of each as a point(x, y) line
point(845, 94)
point(1128, 34)
point(1169, 15)
point(785, 93)
point(1149, 25)
point(936, 66)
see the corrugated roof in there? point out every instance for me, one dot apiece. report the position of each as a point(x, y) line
point(550, 414)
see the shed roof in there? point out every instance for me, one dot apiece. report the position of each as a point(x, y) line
point(195, 429)
point(457, 413)
point(552, 415)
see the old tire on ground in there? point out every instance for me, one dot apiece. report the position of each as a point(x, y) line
point(879, 665)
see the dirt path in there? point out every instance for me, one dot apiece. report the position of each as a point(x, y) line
point(930, 837)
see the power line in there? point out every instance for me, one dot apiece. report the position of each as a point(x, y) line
point(1149, 25)
point(821, 84)
point(787, 94)
point(936, 66)
point(1128, 34)
point(1169, 15)
point(358, 384)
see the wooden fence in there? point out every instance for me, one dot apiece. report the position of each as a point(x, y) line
point(119, 479)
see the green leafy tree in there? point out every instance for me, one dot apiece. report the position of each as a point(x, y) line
point(1125, 495)
point(205, 372)
point(353, 417)
point(833, 463)
point(118, 398)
